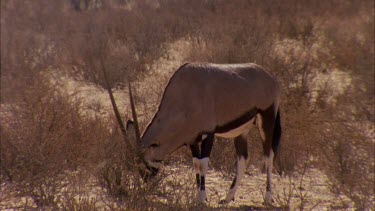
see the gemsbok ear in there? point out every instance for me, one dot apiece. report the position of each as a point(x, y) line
point(130, 132)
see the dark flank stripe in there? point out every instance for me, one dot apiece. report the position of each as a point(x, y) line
point(237, 122)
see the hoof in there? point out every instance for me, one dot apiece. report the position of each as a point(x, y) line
point(268, 201)
point(226, 200)
point(229, 198)
point(222, 201)
point(202, 197)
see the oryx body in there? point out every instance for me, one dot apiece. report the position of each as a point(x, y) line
point(203, 100)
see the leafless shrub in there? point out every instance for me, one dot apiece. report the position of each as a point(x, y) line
point(223, 156)
point(42, 139)
point(117, 172)
point(45, 137)
point(81, 204)
point(349, 166)
point(284, 198)
point(76, 195)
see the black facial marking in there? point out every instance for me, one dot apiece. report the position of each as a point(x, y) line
point(128, 123)
point(237, 122)
point(154, 145)
point(153, 170)
point(149, 173)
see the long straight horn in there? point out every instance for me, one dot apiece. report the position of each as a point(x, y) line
point(138, 136)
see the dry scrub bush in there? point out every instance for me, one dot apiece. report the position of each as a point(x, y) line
point(239, 34)
point(50, 152)
point(348, 163)
point(348, 149)
point(44, 136)
point(223, 157)
point(43, 139)
point(118, 174)
point(296, 40)
point(321, 41)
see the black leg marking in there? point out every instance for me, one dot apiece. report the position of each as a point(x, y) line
point(233, 183)
point(207, 144)
point(197, 177)
point(203, 183)
point(196, 156)
point(206, 148)
point(195, 151)
point(268, 187)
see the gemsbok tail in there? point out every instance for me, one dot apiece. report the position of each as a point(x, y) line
point(276, 133)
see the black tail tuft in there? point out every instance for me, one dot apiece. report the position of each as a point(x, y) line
point(276, 133)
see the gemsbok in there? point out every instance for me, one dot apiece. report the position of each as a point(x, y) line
point(202, 101)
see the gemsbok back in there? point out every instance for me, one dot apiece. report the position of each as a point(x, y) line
point(202, 101)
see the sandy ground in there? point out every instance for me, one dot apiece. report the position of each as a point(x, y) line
point(310, 191)
point(289, 193)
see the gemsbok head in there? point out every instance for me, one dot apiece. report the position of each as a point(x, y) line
point(202, 101)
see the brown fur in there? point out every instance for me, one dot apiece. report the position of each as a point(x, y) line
point(200, 97)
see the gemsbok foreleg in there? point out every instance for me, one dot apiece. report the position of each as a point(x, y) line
point(271, 128)
point(200, 163)
point(196, 152)
point(240, 144)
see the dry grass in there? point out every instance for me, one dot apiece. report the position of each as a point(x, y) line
point(57, 155)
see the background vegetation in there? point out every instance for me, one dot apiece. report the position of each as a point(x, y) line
point(54, 146)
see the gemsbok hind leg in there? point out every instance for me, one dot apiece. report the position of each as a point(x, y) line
point(271, 129)
point(240, 144)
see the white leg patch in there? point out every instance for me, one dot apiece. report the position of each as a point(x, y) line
point(241, 167)
point(202, 196)
point(268, 198)
point(196, 165)
point(204, 136)
point(269, 166)
point(230, 196)
point(204, 166)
